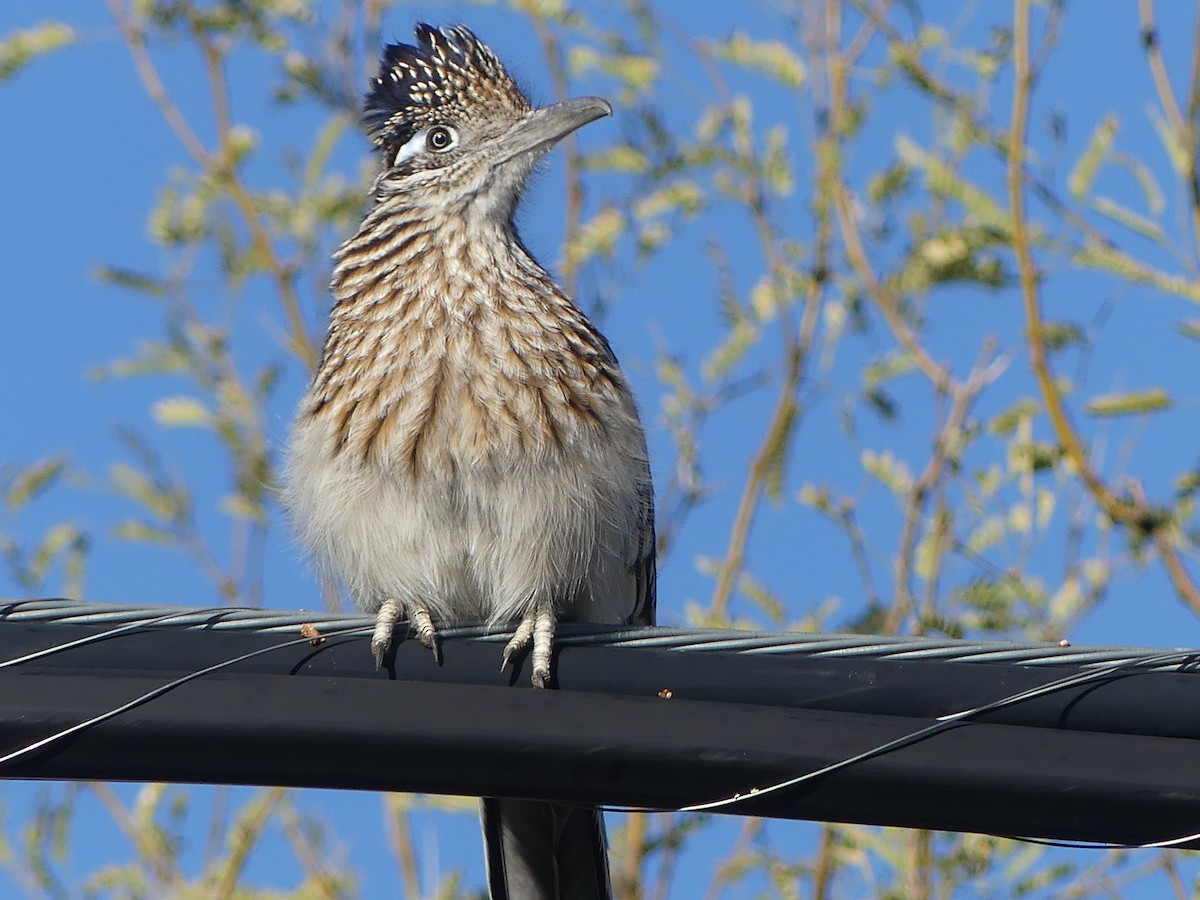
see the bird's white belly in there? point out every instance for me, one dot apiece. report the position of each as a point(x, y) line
point(478, 540)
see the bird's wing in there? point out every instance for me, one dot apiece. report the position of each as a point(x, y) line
point(645, 562)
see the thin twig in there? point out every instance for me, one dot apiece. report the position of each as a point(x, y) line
point(826, 863)
point(884, 297)
point(963, 397)
point(322, 880)
point(858, 552)
point(1170, 868)
point(220, 165)
point(246, 836)
point(921, 865)
point(733, 865)
point(627, 883)
point(1131, 514)
point(398, 827)
point(1093, 238)
point(1158, 68)
point(143, 836)
point(572, 168)
point(796, 349)
point(148, 73)
point(216, 825)
point(1183, 127)
point(668, 861)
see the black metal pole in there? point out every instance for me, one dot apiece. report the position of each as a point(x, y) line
point(1116, 761)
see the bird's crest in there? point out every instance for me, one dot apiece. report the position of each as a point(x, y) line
point(448, 73)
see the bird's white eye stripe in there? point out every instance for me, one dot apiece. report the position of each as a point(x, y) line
point(410, 148)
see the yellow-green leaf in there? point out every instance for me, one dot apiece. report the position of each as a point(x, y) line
point(20, 47)
point(1129, 403)
point(1190, 328)
point(1046, 501)
point(1098, 147)
point(887, 468)
point(32, 480)
point(680, 195)
point(1172, 143)
point(133, 530)
point(1103, 256)
point(181, 412)
point(946, 182)
point(239, 506)
point(771, 58)
point(636, 73)
point(620, 158)
point(59, 538)
point(1125, 216)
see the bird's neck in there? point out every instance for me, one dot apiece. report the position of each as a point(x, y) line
point(445, 256)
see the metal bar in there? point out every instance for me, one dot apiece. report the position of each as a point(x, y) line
point(636, 725)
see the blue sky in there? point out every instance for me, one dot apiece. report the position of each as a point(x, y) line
point(85, 153)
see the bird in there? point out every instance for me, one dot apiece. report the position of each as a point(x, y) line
point(469, 447)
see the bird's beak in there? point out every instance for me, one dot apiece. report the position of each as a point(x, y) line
point(545, 127)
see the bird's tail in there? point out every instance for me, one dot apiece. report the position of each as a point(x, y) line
point(544, 851)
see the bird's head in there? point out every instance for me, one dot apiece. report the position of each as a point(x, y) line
point(453, 127)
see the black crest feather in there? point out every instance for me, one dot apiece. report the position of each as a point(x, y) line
point(448, 72)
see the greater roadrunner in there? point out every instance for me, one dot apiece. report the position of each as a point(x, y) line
point(469, 448)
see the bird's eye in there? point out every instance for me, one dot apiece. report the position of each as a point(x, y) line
point(440, 138)
point(437, 139)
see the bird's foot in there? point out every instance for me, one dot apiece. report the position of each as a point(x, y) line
point(536, 628)
point(385, 625)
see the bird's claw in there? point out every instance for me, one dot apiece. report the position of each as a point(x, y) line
point(422, 626)
point(385, 625)
point(519, 641)
point(536, 628)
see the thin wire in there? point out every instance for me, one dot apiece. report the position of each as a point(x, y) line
point(1102, 845)
point(1179, 658)
point(158, 692)
point(953, 720)
point(103, 636)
